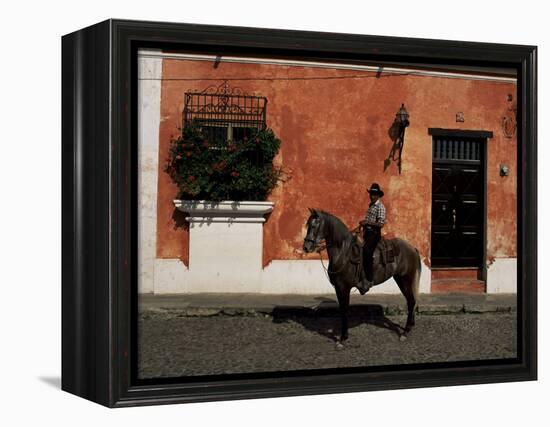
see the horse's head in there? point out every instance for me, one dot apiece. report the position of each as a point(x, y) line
point(314, 233)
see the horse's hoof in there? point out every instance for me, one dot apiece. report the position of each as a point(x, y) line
point(339, 345)
point(403, 337)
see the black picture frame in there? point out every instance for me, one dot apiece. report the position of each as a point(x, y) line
point(99, 208)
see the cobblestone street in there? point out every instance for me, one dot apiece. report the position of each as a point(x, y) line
point(172, 344)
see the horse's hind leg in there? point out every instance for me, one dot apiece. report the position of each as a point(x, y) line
point(409, 288)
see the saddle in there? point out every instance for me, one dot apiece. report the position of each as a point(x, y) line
point(384, 253)
point(388, 250)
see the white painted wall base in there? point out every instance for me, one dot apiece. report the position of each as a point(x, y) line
point(425, 279)
point(225, 255)
point(502, 276)
point(279, 277)
point(225, 246)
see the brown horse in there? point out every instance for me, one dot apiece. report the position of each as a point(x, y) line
point(345, 262)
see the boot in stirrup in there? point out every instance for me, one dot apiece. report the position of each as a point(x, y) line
point(364, 284)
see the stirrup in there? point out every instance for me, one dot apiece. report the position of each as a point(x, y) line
point(364, 285)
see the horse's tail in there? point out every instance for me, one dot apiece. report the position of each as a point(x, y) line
point(416, 283)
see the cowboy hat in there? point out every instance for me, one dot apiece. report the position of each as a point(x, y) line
point(375, 189)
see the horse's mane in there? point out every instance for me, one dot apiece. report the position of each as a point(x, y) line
point(338, 229)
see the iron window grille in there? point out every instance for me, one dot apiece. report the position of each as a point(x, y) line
point(225, 114)
point(455, 149)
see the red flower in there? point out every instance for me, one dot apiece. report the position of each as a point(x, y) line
point(258, 140)
point(190, 178)
point(235, 174)
point(188, 153)
point(219, 166)
point(206, 144)
point(231, 148)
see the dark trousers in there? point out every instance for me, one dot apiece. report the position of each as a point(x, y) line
point(371, 237)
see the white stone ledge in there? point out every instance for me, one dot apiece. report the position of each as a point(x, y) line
point(226, 207)
point(204, 211)
point(226, 219)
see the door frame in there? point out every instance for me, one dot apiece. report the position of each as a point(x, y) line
point(463, 133)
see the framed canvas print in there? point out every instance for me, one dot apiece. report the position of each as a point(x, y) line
point(257, 213)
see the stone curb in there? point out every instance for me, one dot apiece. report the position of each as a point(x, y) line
point(389, 310)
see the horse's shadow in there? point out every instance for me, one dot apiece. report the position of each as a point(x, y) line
point(324, 319)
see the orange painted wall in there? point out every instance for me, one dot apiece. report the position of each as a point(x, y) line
point(334, 126)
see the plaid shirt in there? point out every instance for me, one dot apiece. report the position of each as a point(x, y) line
point(376, 214)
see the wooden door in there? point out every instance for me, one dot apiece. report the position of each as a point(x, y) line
point(457, 202)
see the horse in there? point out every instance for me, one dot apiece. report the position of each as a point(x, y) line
point(345, 260)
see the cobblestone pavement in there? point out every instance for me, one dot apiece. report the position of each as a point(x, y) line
point(172, 345)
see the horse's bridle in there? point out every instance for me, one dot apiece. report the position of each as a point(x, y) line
point(317, 247)
point(316, 244)
point(310, 240)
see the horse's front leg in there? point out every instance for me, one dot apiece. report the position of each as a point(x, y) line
point(343, 302)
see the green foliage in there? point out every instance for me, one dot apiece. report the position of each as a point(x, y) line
point(240, 170)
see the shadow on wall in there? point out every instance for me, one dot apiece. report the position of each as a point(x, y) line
point(178, 217)
point(394, 134)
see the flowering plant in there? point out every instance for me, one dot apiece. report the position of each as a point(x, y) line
point(240, 170)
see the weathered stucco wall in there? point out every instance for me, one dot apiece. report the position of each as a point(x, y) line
point(335, 130)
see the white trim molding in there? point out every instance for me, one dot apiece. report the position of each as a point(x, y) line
point(379, 69)
point(225, 211)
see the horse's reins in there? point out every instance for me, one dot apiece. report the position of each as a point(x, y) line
point(321, 248)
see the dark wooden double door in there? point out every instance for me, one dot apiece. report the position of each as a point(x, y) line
point(458, 202)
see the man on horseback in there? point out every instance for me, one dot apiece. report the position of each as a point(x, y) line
point(372, 226)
